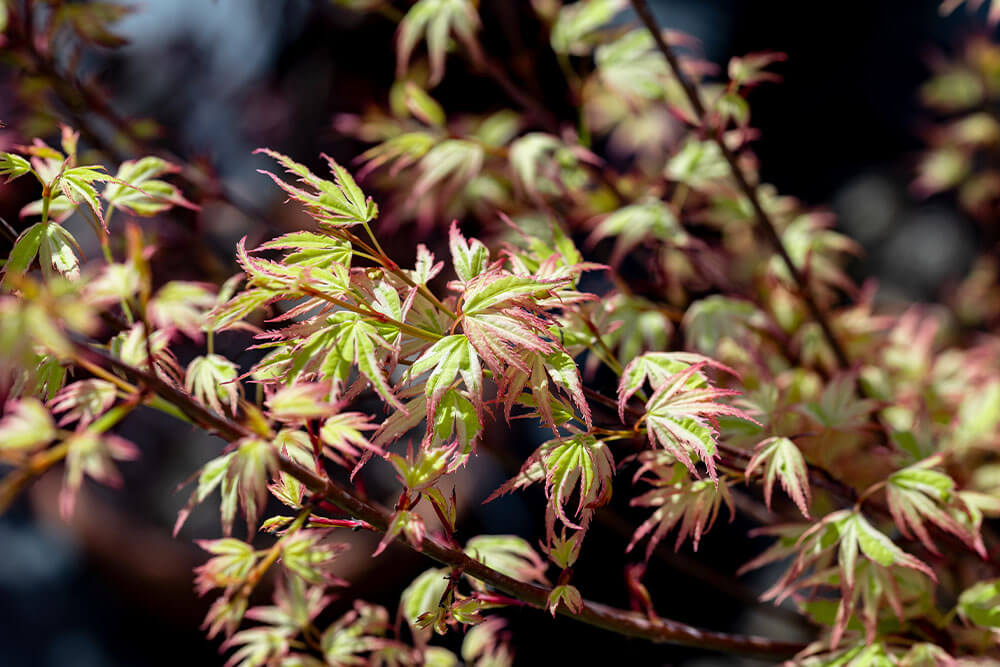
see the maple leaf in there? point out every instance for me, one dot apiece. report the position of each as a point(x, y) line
point(26, 425)
point(578, 463)
point(651, 219)
point(82, 402)
point(845, 551)
point(435, 20)
point(138, 189)
point(679, 500)
point(680, 418)
point(917, 494)
point(449, 358)
point(346, 339)
point(782, 460)
point(502, 320)
point(92, 454)
point(339, 204)
point(77, 184)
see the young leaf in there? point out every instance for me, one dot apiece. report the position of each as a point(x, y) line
point(566, 595)
point(26, 425)
point(980, 604)
point(782, 460)
point(447, 359)
point(578, 463)
point(916, 494)
point(679, 418)
point(82, 402)
point(573, 32)
point(138, 189)
point(56, 251)
point(13, 166)
point(678, 500)
point(509, 554)
point(232, 561)
point(434, 20)
point(212, 379)
point(470, 258)
point(77, 184)
point(339, 204)
point(647, 220)
point(23, 253)
point(91, 454)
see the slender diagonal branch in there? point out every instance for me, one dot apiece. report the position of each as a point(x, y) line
point(750, 191)
point(622, 622)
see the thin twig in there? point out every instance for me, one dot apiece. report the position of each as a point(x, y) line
point(763, 219)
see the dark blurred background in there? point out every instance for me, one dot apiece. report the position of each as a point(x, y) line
point(226, 76)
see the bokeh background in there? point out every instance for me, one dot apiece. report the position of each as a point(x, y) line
point(222, 77)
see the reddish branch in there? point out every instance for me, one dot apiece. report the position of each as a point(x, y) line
point(750, 191)
point(628, 623)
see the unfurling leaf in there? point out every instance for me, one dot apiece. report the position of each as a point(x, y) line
point(566, 595)
point(212, 379)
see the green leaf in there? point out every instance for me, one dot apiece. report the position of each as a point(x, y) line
point(632, 66)
point(576, 23)
point(452, 161)
point(536, 159)
point(980, 604)
point(782, 460)
point(12, 166)
point(447, 359)
point(423, 106)
point(26, 425)
point(578, 464)
point(312, 249)
point(692, 505)
point(470, 258)
point(77, 184)
point(423, 594)
point(209, 478)
point(434, 20)
point(509, 554)
point(301, 402)
point(233, 311)
point(90, 453)
point(350, 339)
point(713, 319)
point(137, 189)
point(680, 416)
point(630, 225)
point(56, 251)
point(567, 596)
point(339, 204)
point(456, 417)
point(498, 291)
point(232, 561)
point(880, 549)
point(24, 252)
point(698, 164)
